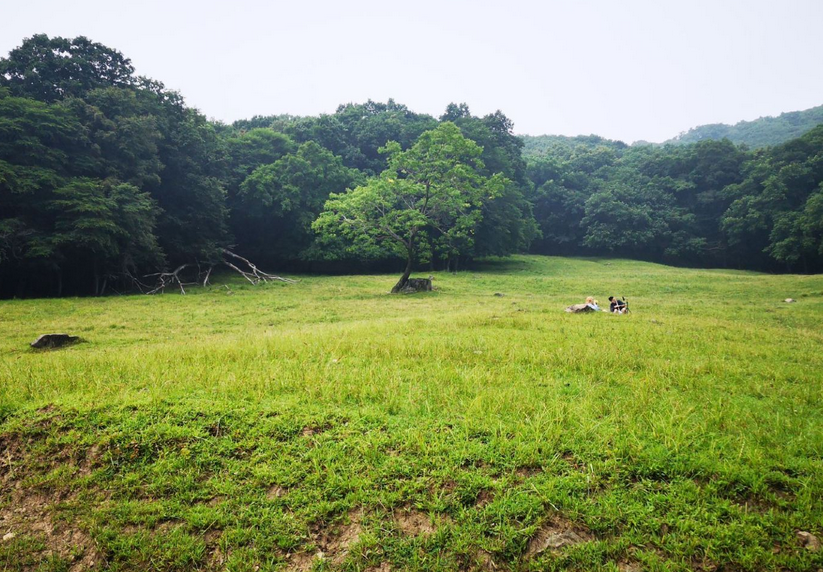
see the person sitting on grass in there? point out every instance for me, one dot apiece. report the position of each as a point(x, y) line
point(592, 303)
point(616, 306)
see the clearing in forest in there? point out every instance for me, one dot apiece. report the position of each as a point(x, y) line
point(328, 425)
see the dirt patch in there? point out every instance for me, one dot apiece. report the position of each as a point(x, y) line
point(212, 536)
point(31, 514)
point(216, 501)
point(217, 560)
point(629, 566)
point(808, 541)
point(484, 497)
point(447, 487)
point(301, 561)
point(167, 526)
point(312, 430)
point(10, 455)
point(91, 461)
point(215, 430)
point(753, 504)
point(483, 561)
point(412, 522)
point(383, 567)
point(706, 565)
point(51, 416)
point(336, 541)
point(528, 471)
point(556, 534)
point(333, 543)
point(275, 492)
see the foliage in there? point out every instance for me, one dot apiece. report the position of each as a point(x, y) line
point(84, 143)
point(49, 69)
point(428, 199)
point(278, 202)
point(774, 209)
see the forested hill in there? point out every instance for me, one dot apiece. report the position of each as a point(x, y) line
point(108, 179)
point(760, 132)
point(542, 144)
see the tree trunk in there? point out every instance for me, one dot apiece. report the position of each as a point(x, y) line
point(59, 283)
point(96, 279)
point(405, 278)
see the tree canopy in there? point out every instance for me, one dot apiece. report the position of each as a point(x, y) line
point(106, 177)
point(427, 202)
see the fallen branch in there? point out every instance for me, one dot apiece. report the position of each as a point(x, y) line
point(254, 275)
point(206, 279)
point(166, 279)
point(174, 279)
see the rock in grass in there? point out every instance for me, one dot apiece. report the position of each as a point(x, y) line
point(499, 294)
point(52, 341)
point(808, 540)
point(790, 300)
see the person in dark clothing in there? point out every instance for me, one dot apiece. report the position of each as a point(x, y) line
point(616, 306)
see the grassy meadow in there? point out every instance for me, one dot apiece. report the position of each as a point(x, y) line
point(327, 425)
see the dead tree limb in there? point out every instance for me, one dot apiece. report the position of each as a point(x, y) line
point(166, 279)
point(174, 279)
point(254, 274)
point(206, 279)
point(245, 275)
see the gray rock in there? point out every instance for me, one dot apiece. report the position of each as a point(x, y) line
point(790, 300)
point(52, 341)
point(499, 294)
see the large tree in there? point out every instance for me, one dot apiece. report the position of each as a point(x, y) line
point(49, 69)
point(433, 191)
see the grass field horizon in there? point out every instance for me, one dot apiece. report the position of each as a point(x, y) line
point(328, 425)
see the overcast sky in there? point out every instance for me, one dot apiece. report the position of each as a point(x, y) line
point(623, 69)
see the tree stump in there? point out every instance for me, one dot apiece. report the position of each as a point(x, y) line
point(417, 285)
point(53, 341)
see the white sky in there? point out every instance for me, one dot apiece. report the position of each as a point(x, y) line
point(623, 69)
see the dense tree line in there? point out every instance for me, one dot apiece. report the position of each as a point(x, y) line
point(712, 203)
point(107, 178)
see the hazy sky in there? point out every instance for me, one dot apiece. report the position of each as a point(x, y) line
point(623, 69)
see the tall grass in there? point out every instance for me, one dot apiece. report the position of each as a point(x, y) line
point(686, 434)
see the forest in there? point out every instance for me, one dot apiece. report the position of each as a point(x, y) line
point(761, 132)
point(109, 181)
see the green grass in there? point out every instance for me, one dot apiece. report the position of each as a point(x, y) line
point(248, 428)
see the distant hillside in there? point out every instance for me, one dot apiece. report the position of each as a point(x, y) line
point(539, 144)
point(758, 133)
